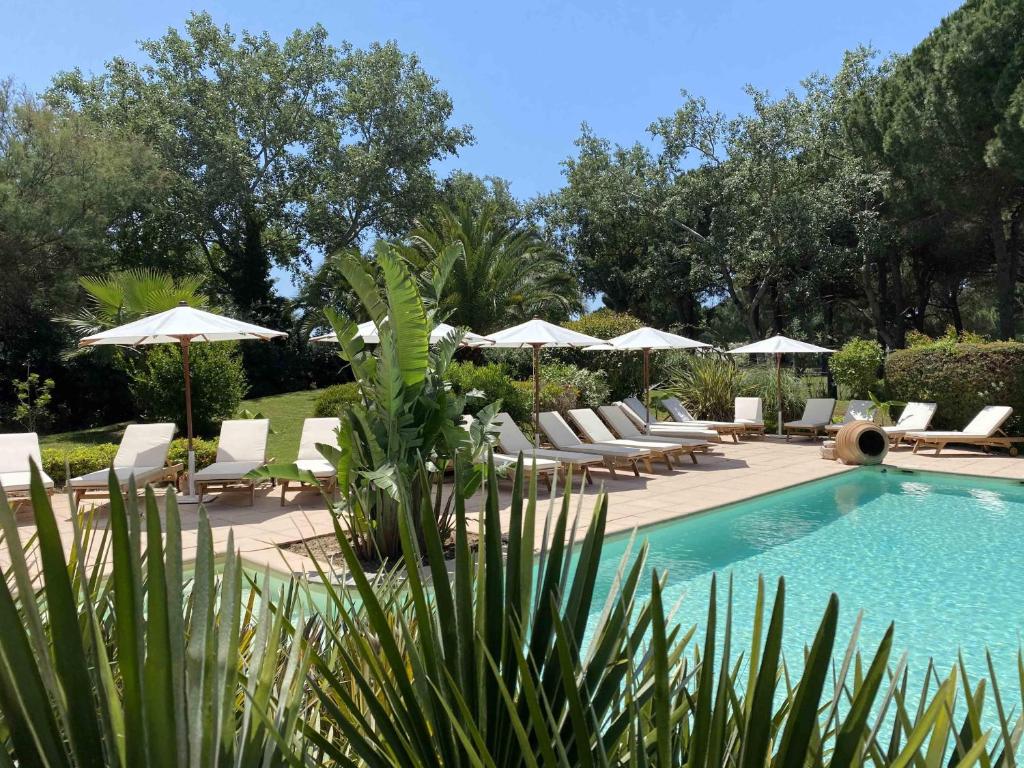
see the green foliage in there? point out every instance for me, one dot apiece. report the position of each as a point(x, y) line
point(34, 396)
point(218, 385)
point(82, 459)
point(855, 366)
point(590, 386)
point(708, 385)
point(961, 379)
point(506, 271)
point(335, 399)
point(623, 370)
point(553, 397)
point(121, 297)
point(141, 664)
point(494, 384)
point(761, 382)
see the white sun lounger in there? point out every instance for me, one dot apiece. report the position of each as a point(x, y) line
point(915, 417)
point(142, 455)
point(241, 449)
point(321, 430)
point(595, 431)
point(616, 418)
point(856, 410)
point(16, 451)
point(637, 413)
point(543, 468)
point(750, 413)
point(678, 411)
point(563, 438)
point(984, 430)
point(512, 441)
point(817, 415)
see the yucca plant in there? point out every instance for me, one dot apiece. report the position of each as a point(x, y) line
point(485, 665)
point(114, 656)
point(708, 384)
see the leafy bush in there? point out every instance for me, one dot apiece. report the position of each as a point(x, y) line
point(553, 397)
point(916, 338)
point(83, 459)
point(591, 387)
point(855, 366)
point(707, 384)
point(218, 385)
point(494, 381)
point(961, 379)
point(760, 382)
point(623, 370)
point(335, 399)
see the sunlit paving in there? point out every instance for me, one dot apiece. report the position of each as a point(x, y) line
point(559, 385)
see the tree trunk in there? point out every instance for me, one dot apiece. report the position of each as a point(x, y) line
point(1006, 276)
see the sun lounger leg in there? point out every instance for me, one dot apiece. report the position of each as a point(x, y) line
point(648, 467)
point(939, 447)
point(586, 476)
point(547, 481)
point(284, 490)
point(610, 464)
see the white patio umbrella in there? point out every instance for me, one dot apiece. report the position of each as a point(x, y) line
point(370, 335)
point(536, 334)
point(182, 325)
point(647, 339)
point(778, 346)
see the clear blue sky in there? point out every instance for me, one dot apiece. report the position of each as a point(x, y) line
point(525, 74)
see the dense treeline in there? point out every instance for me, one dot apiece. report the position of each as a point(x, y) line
point(885, 199)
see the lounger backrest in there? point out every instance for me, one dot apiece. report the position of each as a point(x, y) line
point(989, 420)
point(859, 410)
point(634, 404)
point(590, 425)
point(510, 436)
point(322, 430)
point(561, 436)
point(144, 445)
point(243, 440)
point(916, 416)
point(619, 421)
point(676, 409)
point(749, 410)
point(633, 416)
point(16, 450)
point(818, 410)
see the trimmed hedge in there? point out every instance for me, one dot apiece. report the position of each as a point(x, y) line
point(83, 459)
point(334, 399)
point(961, 379)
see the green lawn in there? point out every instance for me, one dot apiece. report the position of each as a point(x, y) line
point(285, 412)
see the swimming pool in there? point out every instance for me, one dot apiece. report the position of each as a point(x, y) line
point(941, 555)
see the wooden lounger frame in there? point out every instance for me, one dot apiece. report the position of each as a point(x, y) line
point(998, 440)
point(170, 474)
point(233, 485)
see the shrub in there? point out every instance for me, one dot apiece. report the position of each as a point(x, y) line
point(960, 379)
point(760, 382)
point(591, 387)
point(553, 397)
point(707, 384)
point(334, 399)
point(82, 459)
point(623, 370)
point(855, 366)
point(218, 385)
point(494, 381)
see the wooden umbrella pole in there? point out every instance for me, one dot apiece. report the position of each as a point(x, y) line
point(778, 393)
point(647, 387)
point(536, 395)
point(188, 412)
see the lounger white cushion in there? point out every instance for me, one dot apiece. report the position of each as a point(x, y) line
point(562, 437)
point(241, 449)
point(678, 411)
point(615, 416)
point(504, 460)
point(321, 468)
point(749, 411)
point(817, 413)
point(915, 418)
point(16, 450)
point(142, 454)
point(636, 411)
point(595, 431)
point(985, 424)
point(512, 441)
point(314, 431)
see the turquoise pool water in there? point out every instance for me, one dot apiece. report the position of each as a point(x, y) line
point(940, 555)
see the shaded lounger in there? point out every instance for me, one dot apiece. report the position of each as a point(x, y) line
point(512, 441)
point(678, 411)
point(563, 438)
point(242, 447)
point(543, 468)
point(142, 455)
point(324, 431)
point(595, 431)
point(856, 410)
point(915, 417)
point(817, 415)
point(16, 452)
point(637, 412)
point(749, 411)
point(616, 418)
point(985, 430)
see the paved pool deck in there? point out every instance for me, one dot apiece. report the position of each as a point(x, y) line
point(733, 472)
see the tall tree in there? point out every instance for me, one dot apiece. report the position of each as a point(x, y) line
point(274, 148)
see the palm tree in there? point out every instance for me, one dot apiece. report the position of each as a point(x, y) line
point(120, 297)
point(507, 273)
